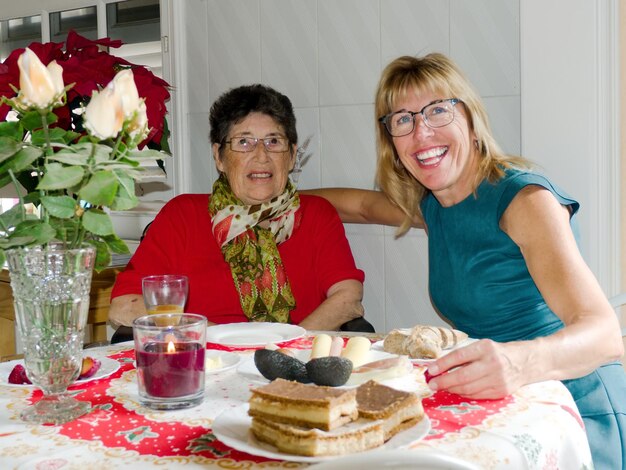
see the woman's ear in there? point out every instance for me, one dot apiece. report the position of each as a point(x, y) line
point(292, 156)
point(215, 148)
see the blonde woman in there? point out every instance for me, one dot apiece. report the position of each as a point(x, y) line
point(504, 262)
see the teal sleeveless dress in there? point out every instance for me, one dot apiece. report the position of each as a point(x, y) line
point(479, 281)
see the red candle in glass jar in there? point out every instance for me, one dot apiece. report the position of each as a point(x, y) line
point(173, 369)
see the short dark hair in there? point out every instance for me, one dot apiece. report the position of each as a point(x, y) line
point(235, 104)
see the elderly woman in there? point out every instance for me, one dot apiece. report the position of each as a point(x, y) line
point(254, 249)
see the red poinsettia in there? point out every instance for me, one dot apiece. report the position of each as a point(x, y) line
point(90, 68)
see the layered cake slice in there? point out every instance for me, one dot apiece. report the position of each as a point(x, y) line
point(397, 410)
point(356, 436)
point(291, 416)
point(309, 406)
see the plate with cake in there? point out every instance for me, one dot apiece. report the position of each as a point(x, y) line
point(311, 423)
point(253, 334)
point(422, 343)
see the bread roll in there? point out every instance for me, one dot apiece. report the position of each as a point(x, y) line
point(422, 342)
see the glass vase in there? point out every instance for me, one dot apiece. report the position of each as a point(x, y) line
point(51, 299)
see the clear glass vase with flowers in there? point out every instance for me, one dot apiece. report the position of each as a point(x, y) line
point(74, 133)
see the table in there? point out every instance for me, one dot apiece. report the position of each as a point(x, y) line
point(537, 427)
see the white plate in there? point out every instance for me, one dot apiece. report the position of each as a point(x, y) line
point(378, 346)
point(232, 427)
point(253, 334)
point(229, 360)
point(248, 369)
point(108, 366)
point(419, 458)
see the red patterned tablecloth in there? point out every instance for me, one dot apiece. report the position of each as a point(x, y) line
point(538, 427)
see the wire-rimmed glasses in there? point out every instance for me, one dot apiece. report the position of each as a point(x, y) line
point(439, 113)
point(274, 144)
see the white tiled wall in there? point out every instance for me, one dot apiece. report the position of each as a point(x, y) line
point(327, 55)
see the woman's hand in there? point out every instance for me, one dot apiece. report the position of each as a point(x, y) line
point(481, 370)
point(125, 308)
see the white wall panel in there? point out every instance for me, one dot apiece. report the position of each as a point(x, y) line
point(204, 172)
point(234, 45)
point(349, 50)
point(406, 282)
point(413, 27)
point(504, 117)
point(348, 146)
point(484, 41)
point(369, 252)
point(308, 124)
point(289, 49)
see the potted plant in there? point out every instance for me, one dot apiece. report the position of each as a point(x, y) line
point(76, 124)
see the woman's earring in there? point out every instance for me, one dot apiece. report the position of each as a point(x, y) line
point(476, 144)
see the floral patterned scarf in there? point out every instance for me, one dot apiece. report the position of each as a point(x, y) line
point(251, 251)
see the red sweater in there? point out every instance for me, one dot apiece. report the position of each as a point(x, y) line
point(180, 241)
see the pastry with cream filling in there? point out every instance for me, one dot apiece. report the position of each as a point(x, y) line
point(311, 406)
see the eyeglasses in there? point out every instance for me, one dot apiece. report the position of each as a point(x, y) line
point(248, 144)
point(436, 114)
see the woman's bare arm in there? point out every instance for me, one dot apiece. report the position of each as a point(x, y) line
point(342, 304)
point(361, 206)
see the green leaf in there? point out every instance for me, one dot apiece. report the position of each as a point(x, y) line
point(126, 197)
point(9, 147)
point(2, 258)
point(71, 136)
point(38, 230)
point(12, 129)
point(59, 177)
point(148, 154)
point(63, 207)
point(101, 189)
point(32, 120)
point(98, 222)
point(13, 242)
point(65, 229)
point(23, 159)
point(103, 256)
point(116, 244)
point(12, 217)
point(56, 135)
point(70, 157)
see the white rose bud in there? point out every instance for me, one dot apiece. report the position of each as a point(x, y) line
point(40, 86)
point(124, 84)
point(104, 115)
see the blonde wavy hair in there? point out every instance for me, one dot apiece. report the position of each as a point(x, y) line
point(434, 74)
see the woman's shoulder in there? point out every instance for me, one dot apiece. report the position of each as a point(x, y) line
point(188, 200)
point(516, 180)
point(310, 202)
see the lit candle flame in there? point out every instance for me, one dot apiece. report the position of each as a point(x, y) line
point(170, 347)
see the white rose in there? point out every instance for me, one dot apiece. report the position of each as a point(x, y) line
point(138, 125)
point(124, 85)
point(104, 115)
point(40, 86)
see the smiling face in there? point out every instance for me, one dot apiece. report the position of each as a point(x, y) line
point(444, 159)
point(258, 176)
